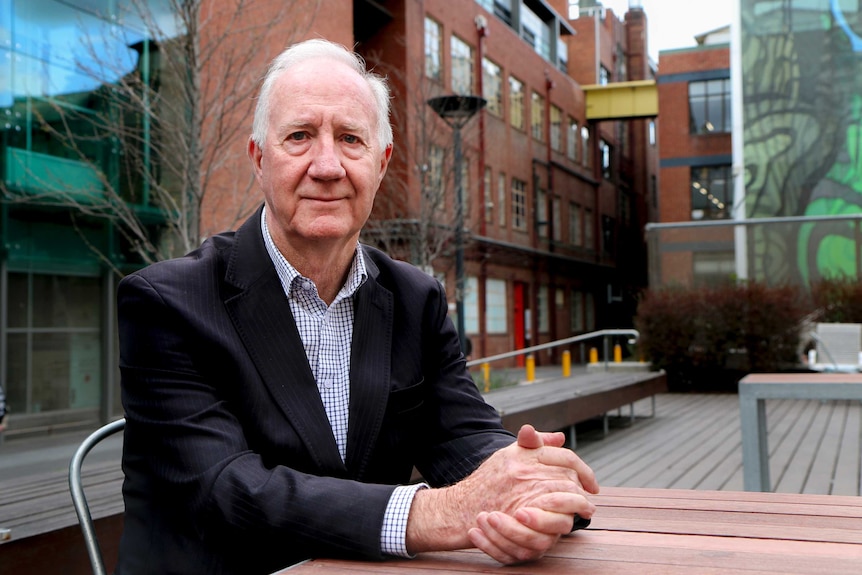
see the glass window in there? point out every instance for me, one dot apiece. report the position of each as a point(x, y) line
point(462, 66)
point(711, 193)
point(536, 32)
point(544, 310)
point(496, 306)
point(572, 136)
point(502, 9)
point(487, 196)
point(556, 219)
point(542, 213)
point(556, 128)
point(537, 116)
point(604, 76)
point(577, 311)
point(605, 151)
point(519, 204)
point(492, 87)
point(433, 48)
point(575, 229)
point(501, 199)
point(53, 342)
point(709, 106)
point(471, 304)
point(652, 133)
point(585, 146)
point(516, 103)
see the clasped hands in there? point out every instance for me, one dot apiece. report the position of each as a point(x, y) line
point(514, 507)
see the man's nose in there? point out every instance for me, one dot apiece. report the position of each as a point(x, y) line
point(326, 163)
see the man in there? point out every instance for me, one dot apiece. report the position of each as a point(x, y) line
point(281, 382)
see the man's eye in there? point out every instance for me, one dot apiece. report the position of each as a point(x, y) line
point(351, 139)
point(297, 136)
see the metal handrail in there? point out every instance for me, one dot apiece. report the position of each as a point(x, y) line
point(632, 333)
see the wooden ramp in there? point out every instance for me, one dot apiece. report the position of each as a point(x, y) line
point(694, 442)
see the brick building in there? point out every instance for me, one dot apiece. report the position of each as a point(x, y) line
point(695, 165)
point(555, 198)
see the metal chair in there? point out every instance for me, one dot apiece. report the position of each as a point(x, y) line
point(79, 499)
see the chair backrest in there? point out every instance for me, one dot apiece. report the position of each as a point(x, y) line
point(79, 499)
point(839, 344)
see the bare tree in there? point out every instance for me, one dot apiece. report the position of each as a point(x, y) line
point(419, 228)
point(158, 147)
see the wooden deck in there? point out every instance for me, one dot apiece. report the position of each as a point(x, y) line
point(694, 442)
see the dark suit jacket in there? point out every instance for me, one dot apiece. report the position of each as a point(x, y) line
point(230, 464)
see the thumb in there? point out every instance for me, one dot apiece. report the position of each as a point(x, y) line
point(529, 438)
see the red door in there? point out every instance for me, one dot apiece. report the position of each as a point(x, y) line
point(519, 315)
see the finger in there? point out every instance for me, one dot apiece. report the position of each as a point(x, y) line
point(560, 457)
point(529, 438)
point(514, 539)
point(567, 504)
point(553, 439)
point(481, 542)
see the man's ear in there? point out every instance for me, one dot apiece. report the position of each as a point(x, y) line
point(384, 162)
point(255, 154)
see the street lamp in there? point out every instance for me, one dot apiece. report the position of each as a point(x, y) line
point(457, 111)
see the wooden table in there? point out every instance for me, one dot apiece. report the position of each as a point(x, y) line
point(755, 388)
point(664, 531)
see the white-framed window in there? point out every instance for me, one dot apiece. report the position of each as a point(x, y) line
point(537, 116)
point(572, 136)
point(502, 193)
point(585, 146)
point(492, 87)
point(487, 196)
point(577, 311)
point(462, 66)
point(471, 304)
point(556, 128)
point(496, 306)
point(544, 309)
point(516, 103)
point(433, 49)
point(542, 213)
point(519, 204)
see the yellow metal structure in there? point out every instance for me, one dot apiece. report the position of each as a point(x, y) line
point(567, 363)
point(621, 100)
point(531, 368)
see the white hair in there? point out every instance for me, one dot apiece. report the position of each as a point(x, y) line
point(310, 50)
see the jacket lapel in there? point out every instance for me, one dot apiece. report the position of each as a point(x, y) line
point(262, 318)
point(370, 361)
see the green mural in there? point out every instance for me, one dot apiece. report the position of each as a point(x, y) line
point(802, 110)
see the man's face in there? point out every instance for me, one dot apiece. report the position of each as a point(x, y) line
point(321, 164)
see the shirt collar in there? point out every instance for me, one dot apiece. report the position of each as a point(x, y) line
point(287, 273)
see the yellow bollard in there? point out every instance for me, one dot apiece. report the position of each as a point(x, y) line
point(486, 374)
point(618, 353)
point(531, 369)
point(594, 355)
point(567, 363)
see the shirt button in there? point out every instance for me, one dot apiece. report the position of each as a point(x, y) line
point(307, 285)
point(327, 384)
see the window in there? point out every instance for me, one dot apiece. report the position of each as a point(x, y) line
point(487, 197)
point(572, 140)
point(590, 312)
point(604, 76)
point(605, 151)
point(433, 49)
point(709, 106)
point(516, 103)
point(465, 187)
point(652, 133)
point(502, 9)
point(713, 268)
point(588, 229)
point(471, 304)
point(519, 204)
point(544, 310)
point(585, 146)
point(501, 199)
point(711, 193)
point(434, 174)
point(577, 311)
point(462, 67)
point(496, 306)
point(556, 129)
point(492, 87)
point(542, 213)
point(556, 219)
point(575, 229)
point(536, 32)
point(537, 116)
point(54, 345)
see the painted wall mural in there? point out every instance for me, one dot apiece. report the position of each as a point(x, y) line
point(802, 94)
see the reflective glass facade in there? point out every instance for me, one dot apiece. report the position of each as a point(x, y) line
point(68, 134)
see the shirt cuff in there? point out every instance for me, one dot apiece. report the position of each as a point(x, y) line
point(393, 536)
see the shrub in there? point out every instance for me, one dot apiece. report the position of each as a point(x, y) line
point(837, 300)
point(706, 339)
